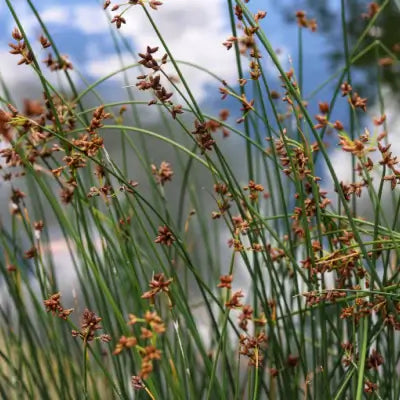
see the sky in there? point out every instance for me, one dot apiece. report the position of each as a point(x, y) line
point(194, 33)
point(193, 30)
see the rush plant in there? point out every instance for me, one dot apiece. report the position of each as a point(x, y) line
point(227, 269)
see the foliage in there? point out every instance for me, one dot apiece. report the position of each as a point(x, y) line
point(303, 300)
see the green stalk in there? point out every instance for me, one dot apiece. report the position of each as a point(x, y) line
point(363, 355)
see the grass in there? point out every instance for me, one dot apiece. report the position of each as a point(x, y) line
point(302, 303)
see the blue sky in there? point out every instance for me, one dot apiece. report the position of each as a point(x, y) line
point(194, 31)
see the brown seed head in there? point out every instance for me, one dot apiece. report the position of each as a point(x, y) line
point(16, 34)
point(137, 383)
point(225, 281)
point(158, 284)
point(165, 236)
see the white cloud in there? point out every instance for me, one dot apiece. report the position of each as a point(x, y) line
point(285, 60)
point(89, 19)
point(55, 15)
point(21, 80)
point(109, 64)
point(193, 32)
point(16, 77)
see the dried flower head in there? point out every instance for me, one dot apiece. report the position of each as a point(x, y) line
point(304, 22)
point(234, 301)
point(292, 360)
point(372, 10)
point(99, 115)
point(374, 360)
point(254, 189)
point(164, 173)
point(124, 343)
point(44, 42)
point(251, 346)
point(165, 236)
point(90, 323)
point(137, 383)
point(53, 303)
point(158, 284)
point(225, 281)
point(118, 20)
point(358, 102)
point(245, 316)
point(369, 386)
point(155, 322)
point(16, 34)
point(54, 306)
point(203, 136)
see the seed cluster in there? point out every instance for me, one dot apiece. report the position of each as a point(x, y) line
point(90, 324)
point(54, 306)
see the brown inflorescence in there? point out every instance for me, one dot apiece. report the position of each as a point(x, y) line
point(158, 284)
point(89, 325)
point(21, 48)
point(124, 343)
point(234, 301)
point(162, 174)
point(372, 10)
point(252, 347)
point(145, 345)
point(53, 305)
point(225, 281)
point(254, 189)
point(152, 81)
point(165, 236)
point(203, 136)
point(304, 22)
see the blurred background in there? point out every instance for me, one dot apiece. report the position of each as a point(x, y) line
point(194, 31)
